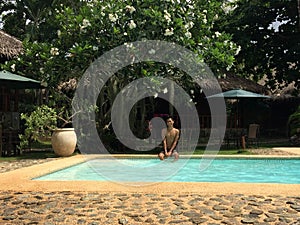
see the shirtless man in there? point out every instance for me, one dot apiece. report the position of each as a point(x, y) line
point(170, 140)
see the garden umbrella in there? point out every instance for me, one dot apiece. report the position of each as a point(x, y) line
point(13, 81)
point(238, 94)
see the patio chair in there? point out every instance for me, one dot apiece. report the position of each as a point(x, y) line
point(253, 134)
point(233, 137)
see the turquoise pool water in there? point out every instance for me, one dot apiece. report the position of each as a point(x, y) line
point(153, 170)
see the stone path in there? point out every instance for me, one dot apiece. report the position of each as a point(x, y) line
point(121, 208)
point(12, 165)
point(270, 151)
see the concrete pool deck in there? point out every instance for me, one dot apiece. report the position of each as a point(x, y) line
point(21, 180)
point(26, 201)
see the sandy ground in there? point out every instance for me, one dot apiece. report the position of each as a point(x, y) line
point(291, 150)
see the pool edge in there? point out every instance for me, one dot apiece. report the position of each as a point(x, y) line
point(20, 180)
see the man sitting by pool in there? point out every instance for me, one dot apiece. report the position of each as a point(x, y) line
point(170, 139)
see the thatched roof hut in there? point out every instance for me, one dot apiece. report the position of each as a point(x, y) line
point(231, 81)
point(9, 46)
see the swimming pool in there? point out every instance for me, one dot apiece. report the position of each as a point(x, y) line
point(153, 170)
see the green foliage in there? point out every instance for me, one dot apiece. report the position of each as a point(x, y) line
point(69, 37)
point(64, 37)
point(85, 32)
point(294, 122)
point(269, 33)
point(39, 124)
point(32, 19)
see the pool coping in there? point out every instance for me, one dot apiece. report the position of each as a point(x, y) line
point(21, 180)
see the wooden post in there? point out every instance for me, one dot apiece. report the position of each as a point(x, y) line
point(243, 141)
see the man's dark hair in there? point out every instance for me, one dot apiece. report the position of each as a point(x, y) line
point(169, 117)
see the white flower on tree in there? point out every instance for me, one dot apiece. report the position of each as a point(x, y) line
point(130, 9)
point(113, 18)
point(218, 34)
point(54, 51)
point(188, 34)
point(238, 50)
point(189, 25)
point(169, 32)
point(167, 16)
point(13, 67)
point(86, 23)
point(132, 24)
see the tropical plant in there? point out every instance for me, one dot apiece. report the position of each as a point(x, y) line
point(294, 123)
point(39, 125)
point(41, 122)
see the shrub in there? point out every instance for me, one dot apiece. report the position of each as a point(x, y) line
point(39, 125)
point(294, 122)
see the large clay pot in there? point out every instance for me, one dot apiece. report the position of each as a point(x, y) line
point(64, 141)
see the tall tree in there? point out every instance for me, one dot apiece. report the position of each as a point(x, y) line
point(32, 19)
point(86, 32)
point(269, 33)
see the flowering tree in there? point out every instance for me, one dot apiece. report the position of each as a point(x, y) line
point(84, 33)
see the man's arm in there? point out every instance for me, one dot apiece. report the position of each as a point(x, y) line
point(165, 145)
point(163, 133)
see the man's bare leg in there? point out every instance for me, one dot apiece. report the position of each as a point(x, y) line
point(176, 156)
point(161, 156)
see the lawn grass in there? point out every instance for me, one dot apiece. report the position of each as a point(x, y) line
point(225, 152)
point(40, 150)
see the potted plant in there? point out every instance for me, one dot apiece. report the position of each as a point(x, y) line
point(41, 124)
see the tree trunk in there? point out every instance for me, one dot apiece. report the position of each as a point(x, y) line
point(142, 121)
point(171, 99)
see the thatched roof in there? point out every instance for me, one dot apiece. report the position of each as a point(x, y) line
point(9, 46)
point(231, 81)
point(289, 91)
point(228, 82)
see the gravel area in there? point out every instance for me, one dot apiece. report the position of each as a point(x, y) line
point(17, 164)
point(269, 151)
point(140, 208)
